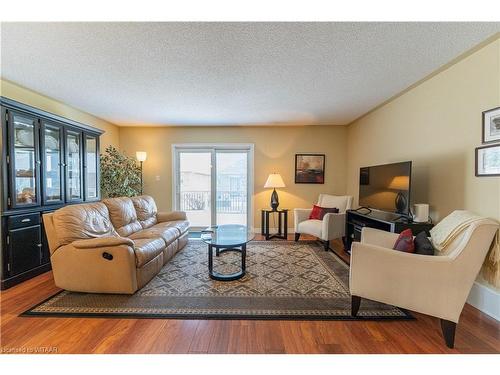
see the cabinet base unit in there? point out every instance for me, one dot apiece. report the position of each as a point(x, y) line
point(14, 280)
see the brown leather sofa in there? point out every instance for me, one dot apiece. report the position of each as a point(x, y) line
point(113, 246)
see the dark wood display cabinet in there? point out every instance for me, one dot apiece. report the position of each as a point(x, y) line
point(48, 161)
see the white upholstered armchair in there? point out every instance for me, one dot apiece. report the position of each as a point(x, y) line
point(332, 226)
point(434, 285)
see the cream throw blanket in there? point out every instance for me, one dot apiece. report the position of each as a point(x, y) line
point(451, 226)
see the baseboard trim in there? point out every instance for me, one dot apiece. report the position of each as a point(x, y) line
point(485, 299)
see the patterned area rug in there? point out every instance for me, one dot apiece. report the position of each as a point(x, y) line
point(284, 280)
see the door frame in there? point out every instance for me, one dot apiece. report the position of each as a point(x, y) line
point(213, 148)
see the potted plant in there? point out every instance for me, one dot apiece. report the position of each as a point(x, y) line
point(120, 174)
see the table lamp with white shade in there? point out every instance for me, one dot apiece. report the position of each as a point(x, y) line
point(141, 157)
point(274, 181)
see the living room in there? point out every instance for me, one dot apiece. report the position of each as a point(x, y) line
point(250, 187)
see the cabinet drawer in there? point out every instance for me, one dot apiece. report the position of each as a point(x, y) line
point(21, 221)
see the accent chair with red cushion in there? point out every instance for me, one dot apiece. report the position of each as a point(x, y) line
point(326, 220)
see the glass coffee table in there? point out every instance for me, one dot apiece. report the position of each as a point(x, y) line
point(227, 237)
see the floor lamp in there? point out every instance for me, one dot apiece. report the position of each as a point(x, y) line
point(141, 156)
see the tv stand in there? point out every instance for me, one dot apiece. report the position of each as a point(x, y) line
point(369, 210)
point(387, 221)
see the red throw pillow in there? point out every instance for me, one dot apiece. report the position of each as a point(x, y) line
point(318, 212)
point(405, 242)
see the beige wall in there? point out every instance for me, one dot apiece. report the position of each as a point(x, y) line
point(29, 97)
point(437, 125)
point(275, 149)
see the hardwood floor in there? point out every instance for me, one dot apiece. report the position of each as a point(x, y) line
point(476, 332)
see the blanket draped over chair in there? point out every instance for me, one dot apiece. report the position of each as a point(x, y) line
point(491, 268)
point(452, 225)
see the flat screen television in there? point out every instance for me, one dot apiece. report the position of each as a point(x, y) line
point(386, 187)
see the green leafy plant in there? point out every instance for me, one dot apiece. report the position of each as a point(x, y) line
point(120, 174)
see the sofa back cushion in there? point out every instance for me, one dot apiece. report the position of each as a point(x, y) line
point(82, 221)
point(123, 215)
point(146, 210)
point(342, 202)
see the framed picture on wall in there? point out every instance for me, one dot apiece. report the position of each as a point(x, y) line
point(309, 168)
point(491, 125)
point(488, 161)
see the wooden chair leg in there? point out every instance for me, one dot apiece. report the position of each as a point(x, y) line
point(326, 245)
point(355, 303)
point(297, 236)
point(448, 328)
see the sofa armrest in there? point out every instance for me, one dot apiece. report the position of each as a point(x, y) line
point(300, 215)
point(378, 237)
point(171, 216)
point(87, 270)
point(103, 242)
point(333, 226)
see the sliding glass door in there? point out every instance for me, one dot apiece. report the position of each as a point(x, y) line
point(231, 187)
point(195, 187)
point(212, 183)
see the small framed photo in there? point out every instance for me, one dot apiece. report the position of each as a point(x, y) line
point(309, 168)
point(488, 160)
point(491, 125)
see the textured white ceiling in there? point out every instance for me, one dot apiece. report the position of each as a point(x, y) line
point(229, 73)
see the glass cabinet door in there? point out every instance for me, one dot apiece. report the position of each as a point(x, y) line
point(24, 160)
point(52, 173)
point(91, 181)
point(74, 166)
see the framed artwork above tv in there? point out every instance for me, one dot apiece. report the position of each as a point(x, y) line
point(309, 168)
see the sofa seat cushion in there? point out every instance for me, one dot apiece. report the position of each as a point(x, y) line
point(146, 210)
point(167, 234)
point(181, 225)
point(147, 249)
point(310, 227)
point(123, 216)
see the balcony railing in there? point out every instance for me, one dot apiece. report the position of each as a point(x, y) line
point(231, 202)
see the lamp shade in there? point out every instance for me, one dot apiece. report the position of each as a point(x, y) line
point(141, 155)
point(274, 181)
point(400, 183)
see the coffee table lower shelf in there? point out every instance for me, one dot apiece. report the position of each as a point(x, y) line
point(242, 249)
